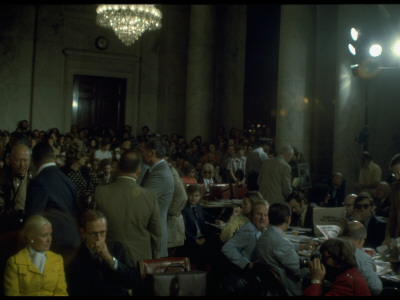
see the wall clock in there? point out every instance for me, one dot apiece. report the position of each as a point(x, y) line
point(101, 43)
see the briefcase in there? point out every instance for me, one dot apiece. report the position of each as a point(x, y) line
point(190, 283)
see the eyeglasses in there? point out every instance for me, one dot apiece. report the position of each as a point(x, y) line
point(94, 234)
point(365, 206)
point(396, 173)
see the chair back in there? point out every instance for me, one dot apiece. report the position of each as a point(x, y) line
point(266, 281)
point(164, 265)
point(239, 191)
point(220, 191)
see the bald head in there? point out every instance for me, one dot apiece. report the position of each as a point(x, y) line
point(287, 153)
point(356, 232)
point(20, 159)
point(383, 189)
point(348, 203)
point(337, 180)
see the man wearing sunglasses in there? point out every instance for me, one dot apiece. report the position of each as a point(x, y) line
point(364, 213)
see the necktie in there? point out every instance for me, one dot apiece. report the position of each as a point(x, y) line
point(195, 212)
point(196, 217)
point(145, 175)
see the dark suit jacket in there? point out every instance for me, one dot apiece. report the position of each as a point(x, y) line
point(190, 222)
point(375, 232)
point(54, 195)
point(337, 200)
point(308, 219)
point(87, 277)
point(9, 218)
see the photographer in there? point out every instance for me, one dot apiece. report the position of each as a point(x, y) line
point(337, 265)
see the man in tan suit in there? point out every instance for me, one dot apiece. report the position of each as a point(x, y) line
point(132, 212)
point(275, 178)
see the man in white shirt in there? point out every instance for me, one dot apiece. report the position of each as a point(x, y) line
point(254, 161)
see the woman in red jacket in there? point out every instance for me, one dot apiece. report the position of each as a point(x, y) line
point(338, 266)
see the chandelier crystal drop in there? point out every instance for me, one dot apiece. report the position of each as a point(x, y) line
point(128, 21)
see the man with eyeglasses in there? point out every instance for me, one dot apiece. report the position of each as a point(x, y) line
point(100, 268)
point(363, 212)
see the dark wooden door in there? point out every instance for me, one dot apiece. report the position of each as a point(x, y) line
point(98, 101)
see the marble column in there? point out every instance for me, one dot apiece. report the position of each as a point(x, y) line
point(293, 120)
point(200, 72)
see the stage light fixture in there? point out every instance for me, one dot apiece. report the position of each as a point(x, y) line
point(354, 34)
point(375, 50)
point(352, 49)
point(396, 48)
point(354, 69)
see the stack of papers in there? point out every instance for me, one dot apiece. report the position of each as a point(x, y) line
point(329, 231)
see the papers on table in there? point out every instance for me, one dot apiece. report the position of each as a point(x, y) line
point(221, 203)
point(329, 231)
point(382, 267)
point(299, 229)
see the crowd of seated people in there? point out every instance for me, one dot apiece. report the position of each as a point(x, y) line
point(89, 157)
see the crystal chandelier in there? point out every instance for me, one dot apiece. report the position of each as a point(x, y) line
point(128, 21)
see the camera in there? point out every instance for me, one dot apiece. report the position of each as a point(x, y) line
point(303, 263)
point(315, 255)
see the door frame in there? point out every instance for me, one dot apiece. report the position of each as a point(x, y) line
point(91, 63)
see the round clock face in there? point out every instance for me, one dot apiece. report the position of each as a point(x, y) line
point(101, 43)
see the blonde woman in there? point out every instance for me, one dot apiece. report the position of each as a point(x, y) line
point(240, 215)
point(35, 270)
point(207, 176)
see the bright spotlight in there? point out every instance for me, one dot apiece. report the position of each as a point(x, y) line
point(352, 49)
point(375, 50)
point(396, 48)
point(354, 34)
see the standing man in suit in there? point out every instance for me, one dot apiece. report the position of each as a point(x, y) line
point(275, 178)
point(54, 195)
point(158, 179)
point(100, 268)
point(275, 250)
point(132, 212)
point(14, 181)
point(175, 222)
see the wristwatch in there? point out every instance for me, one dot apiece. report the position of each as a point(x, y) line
point(315, 281)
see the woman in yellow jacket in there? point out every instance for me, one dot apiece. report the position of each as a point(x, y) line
point(240, 215)
point(35, 270)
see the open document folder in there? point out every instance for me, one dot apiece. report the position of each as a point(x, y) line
point(328, 221)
